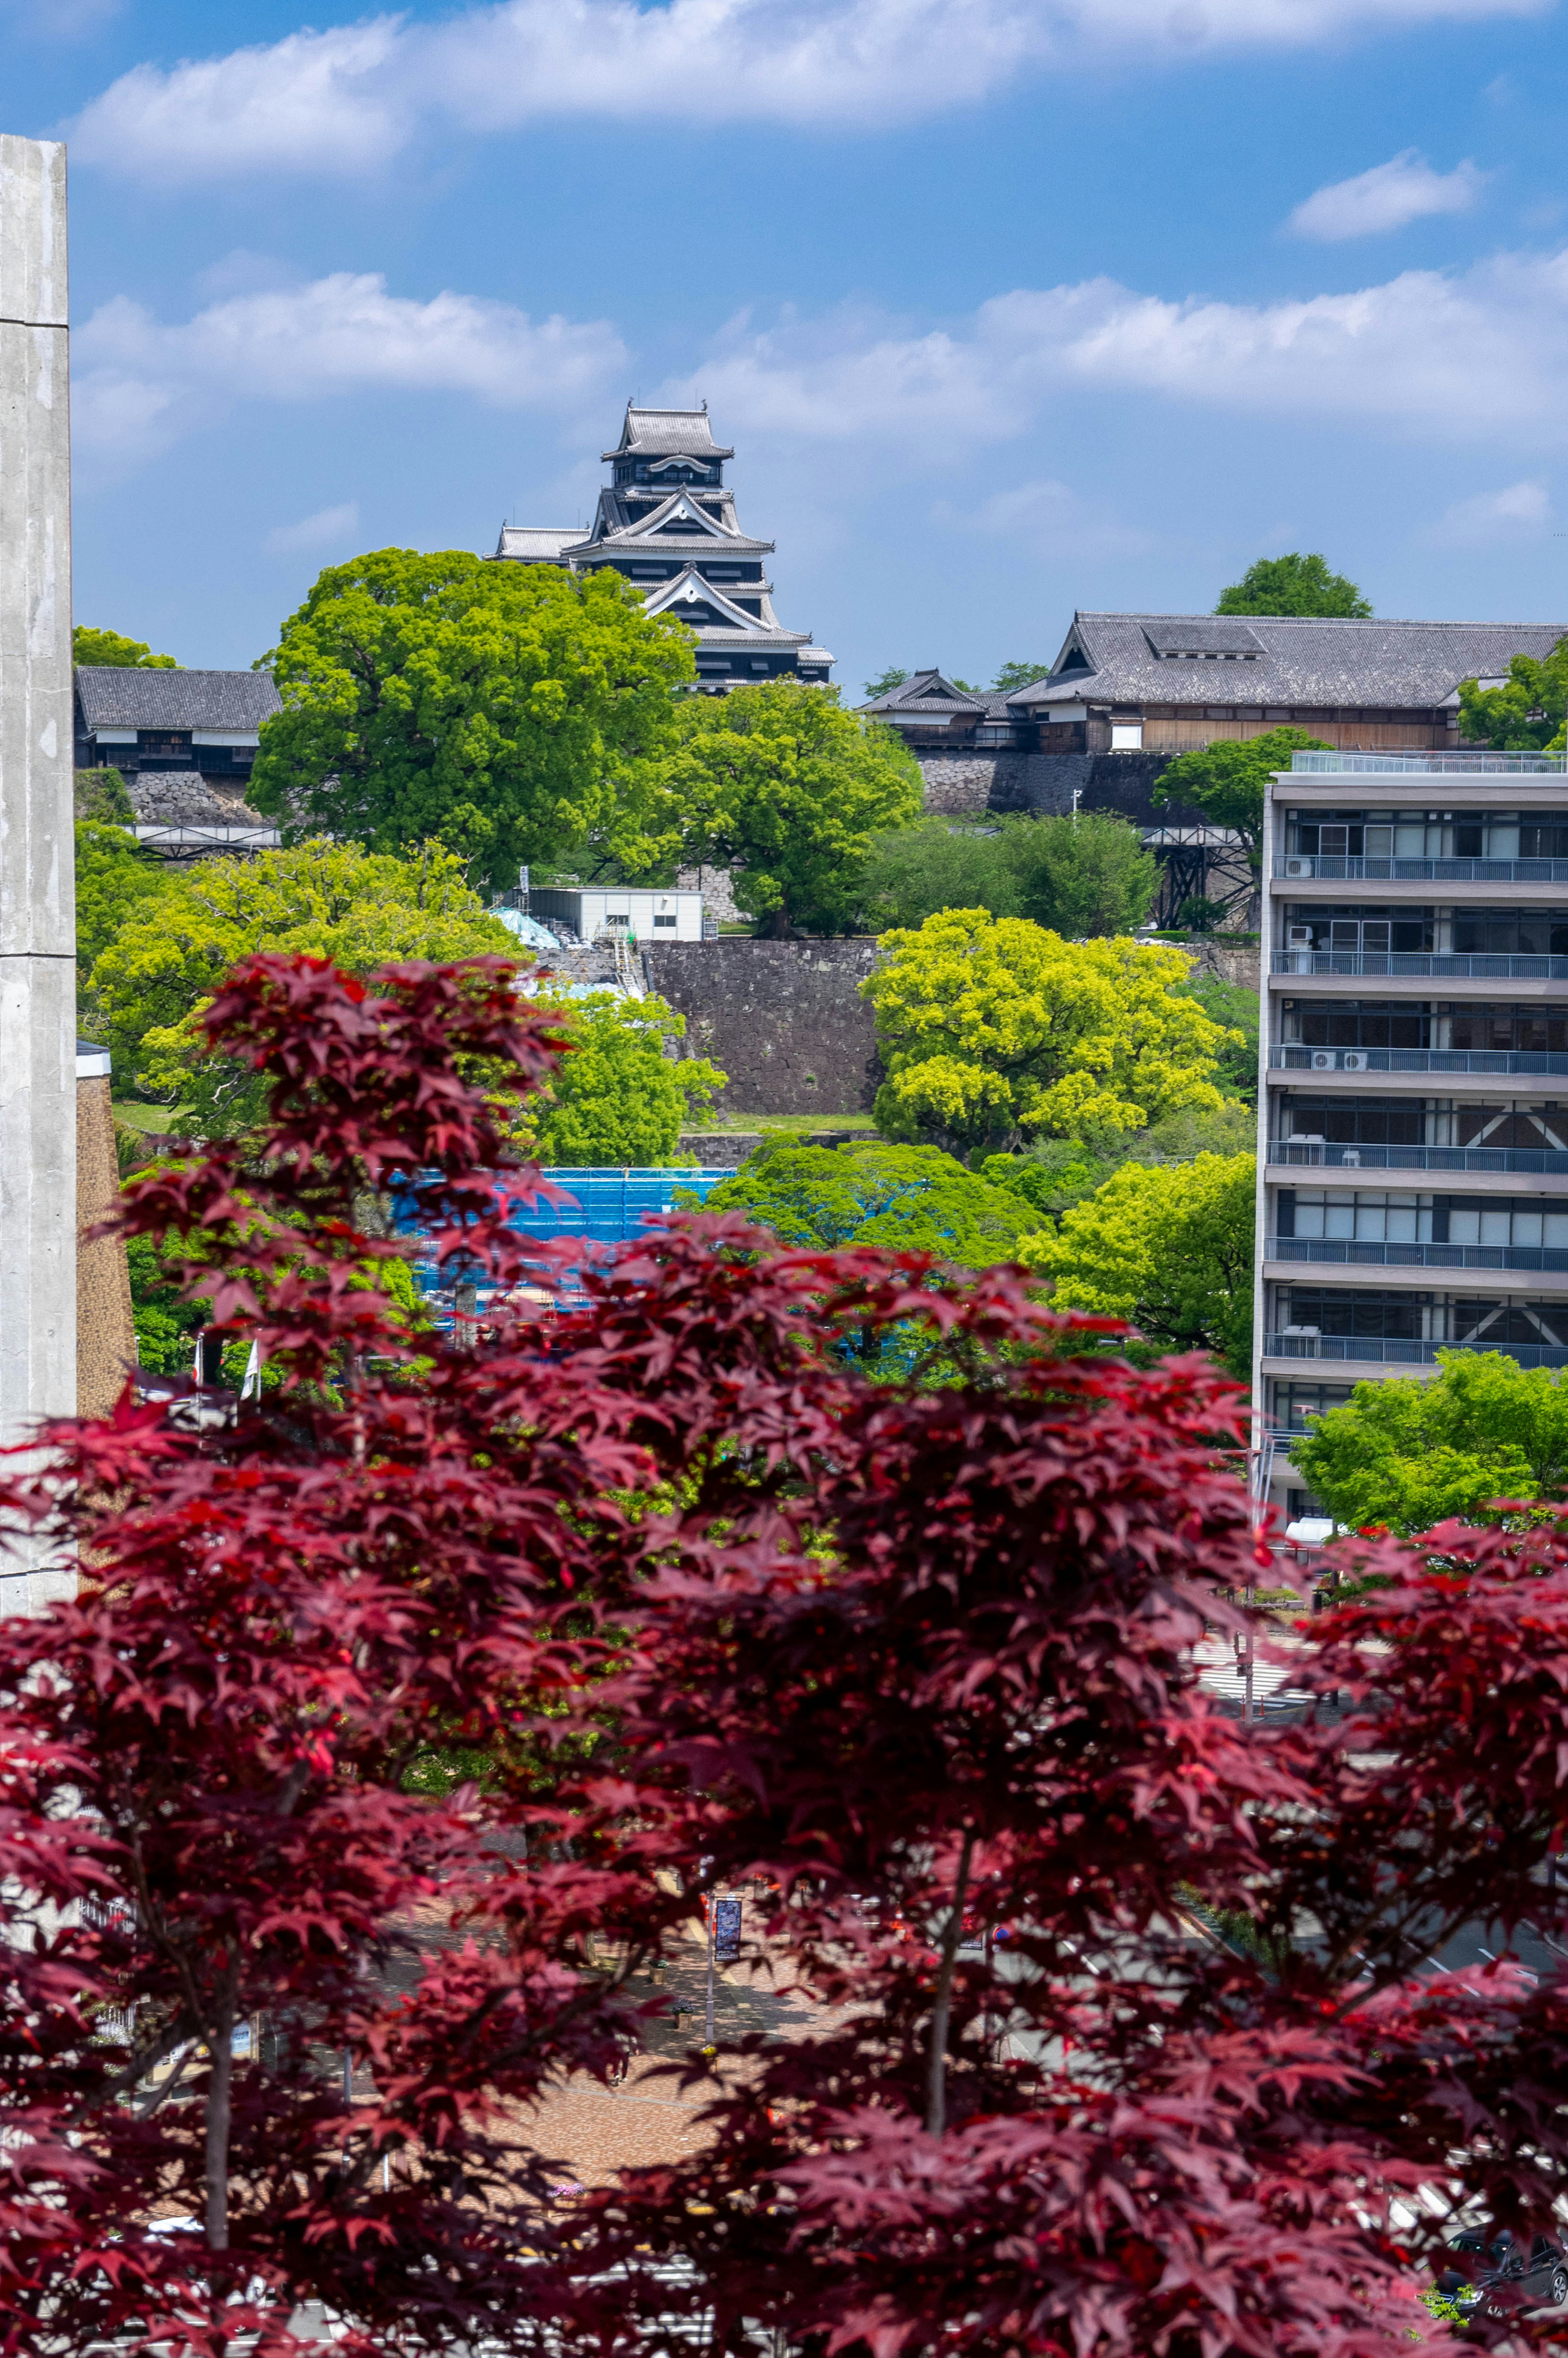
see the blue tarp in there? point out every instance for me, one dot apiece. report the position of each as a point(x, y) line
point(607, 1207)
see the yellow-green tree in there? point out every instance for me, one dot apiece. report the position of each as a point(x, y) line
point(618, 1099)
point(114, 649)
point(515, 711)
point(782, 784)
point(1168, 1246)
point(993, 1029)
point(361, 909)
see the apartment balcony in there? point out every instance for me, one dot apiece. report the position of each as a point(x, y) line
point(1516, 1063)
point(1524, 1162)
point(1347, 1252)
point(1435, 966)
point(1293, 1345)
point(1319, 868)
point(1428, 765)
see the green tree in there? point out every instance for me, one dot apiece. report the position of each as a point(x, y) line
point(780, 784)
point(990, 1028)
point(1293, 585)
point(512, 711)
point(330, 900)
point(1235, 1006)
point(102, 795)
point(115, 882)
point(897, 1199)
point(886, 681)
point(912, 872)
point(1056, 1172)
point(1526, 713)
point(620, 1098)
point(1082, 876)
point(89, 646)
point(1167, 1246)
point(1011, 676)
point(1228, 780)
point(1409, 1454)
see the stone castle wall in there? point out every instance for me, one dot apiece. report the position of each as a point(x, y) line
point(784, 1020)
point(968, 785)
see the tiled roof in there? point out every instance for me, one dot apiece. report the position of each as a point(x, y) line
point(667, 434)
point(1298, 662)
point(121, 696)
point(926, 692)
point(537, 544)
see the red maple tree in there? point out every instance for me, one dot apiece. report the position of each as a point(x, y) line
point(698, 1598)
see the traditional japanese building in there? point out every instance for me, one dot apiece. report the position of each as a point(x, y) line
point(666, 521)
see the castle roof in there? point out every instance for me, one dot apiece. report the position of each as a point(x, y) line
point(537, 543)
point(124, 696)
point(668, 433)
point(1277, 659)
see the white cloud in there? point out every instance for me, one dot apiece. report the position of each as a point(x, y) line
point(347, 101)
point(1522, 512)
point(140, 383)
point(328, 529)
point(1388, 197)
point(1482, 354)
point(1046, 516)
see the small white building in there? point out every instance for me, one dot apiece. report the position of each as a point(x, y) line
point(641, 912)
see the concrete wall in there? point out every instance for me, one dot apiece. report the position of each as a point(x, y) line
point(38, 916)
point(105, 1332)
point(784, 1020)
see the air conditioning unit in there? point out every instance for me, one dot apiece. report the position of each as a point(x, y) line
point(1353, 1061)
point(1298, 937)
point(1325, 1060)
point(1298, 867)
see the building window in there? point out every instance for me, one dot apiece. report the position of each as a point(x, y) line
point(1127, 736)
point(663, 921)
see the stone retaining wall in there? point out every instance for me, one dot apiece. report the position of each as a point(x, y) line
point(784, 1020)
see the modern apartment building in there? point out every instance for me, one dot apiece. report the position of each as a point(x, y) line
point(1413, 1110)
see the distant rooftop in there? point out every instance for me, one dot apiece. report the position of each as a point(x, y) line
point(668, 433)
point(115, 695)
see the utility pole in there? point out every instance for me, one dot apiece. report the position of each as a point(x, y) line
point(37, 881)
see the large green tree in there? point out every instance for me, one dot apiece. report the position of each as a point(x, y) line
point(113, 648)
point(990, 1029)
point(1082, 876)
point(514, 712)
point(1409, 1454)
point(1011, 676)
point(1167, 1246)
point(330, 900)
point(912, 872)
point(1228, 780)
point(1294, 585)
point(1526, 712)
point(116, 882)
point(784, 786)
point(618, 1098)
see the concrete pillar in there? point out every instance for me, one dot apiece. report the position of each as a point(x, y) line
point(37, 915)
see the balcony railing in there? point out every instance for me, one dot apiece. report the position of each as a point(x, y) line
point(1289, 1058)
point(1355, 1253)
point(1436, 765)
point(1537, 1161)
point(1495, 965)
point(1299, 867)
point(1399, 1351)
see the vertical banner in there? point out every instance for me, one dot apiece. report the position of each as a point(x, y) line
point(727, 1930)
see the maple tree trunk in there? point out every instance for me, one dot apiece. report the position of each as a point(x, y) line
point(936, 2077)
point(220, 2108)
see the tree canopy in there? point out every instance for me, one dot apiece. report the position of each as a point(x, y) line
point(886, 681)
point(116, 882)
point(991, 1028)
point(1081, 876)
point(618, 1099)
point(1228, 780)
point(1293, 585)
point(694, 1608)
point(1013, 676)
point(1168, 1246)
point(111, 647)
point(1409, 1454)
point(153, 977)
point(514, 712)
point(782, 784)
point(896, 1198)
point(1526, 713)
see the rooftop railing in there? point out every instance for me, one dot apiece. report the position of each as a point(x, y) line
point(1434, 765)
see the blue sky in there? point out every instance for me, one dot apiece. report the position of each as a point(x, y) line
point(1009, 306)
